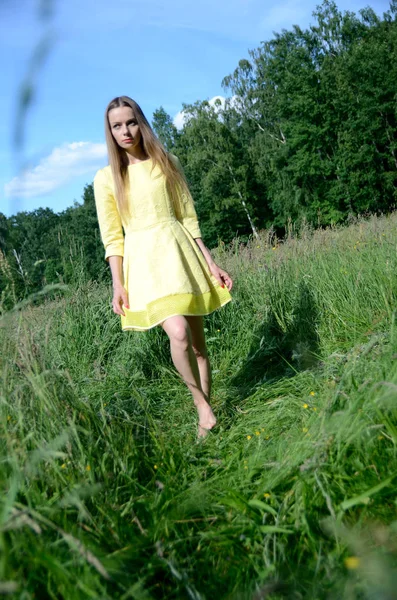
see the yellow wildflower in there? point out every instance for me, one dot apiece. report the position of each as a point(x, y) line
point(266, 495)
point(257, 432)
point(312, 393)
point(352, 562)
point(305, 405)
point(305, 429)
point(155, 467)
point(63, 466)
point(249, 437)
point(88, 468)
point(274, 248)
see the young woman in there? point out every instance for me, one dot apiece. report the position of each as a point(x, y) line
point(162, 272)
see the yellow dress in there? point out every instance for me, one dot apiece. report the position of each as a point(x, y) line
point(165, 272)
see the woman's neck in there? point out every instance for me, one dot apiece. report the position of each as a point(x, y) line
point(136, 155)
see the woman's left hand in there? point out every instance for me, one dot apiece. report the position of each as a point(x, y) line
point(221, 276)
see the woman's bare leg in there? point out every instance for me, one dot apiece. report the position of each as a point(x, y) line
point(185, 361)
point(200, 350)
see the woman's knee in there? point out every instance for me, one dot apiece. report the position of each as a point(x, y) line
point(177, 329)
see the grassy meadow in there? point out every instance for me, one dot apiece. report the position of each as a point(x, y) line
point(105, 492)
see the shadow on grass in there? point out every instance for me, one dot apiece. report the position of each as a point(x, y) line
point(281, 350)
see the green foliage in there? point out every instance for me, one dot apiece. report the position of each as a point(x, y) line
point(105, 492)
point(41, 248)
point(165, 129)
point(221, 178)
point(322, 101)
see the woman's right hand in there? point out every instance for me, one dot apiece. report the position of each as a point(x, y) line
point(120, 298)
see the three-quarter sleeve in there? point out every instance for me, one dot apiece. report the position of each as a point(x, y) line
point(185, 210)
point(109, 219)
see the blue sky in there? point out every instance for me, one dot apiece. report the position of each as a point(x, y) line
point(159, 53)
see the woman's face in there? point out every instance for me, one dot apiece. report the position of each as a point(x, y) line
point(124, 127)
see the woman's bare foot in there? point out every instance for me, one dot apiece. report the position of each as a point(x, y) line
point(207, 418)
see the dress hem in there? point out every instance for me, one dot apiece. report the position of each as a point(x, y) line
point(190, 305)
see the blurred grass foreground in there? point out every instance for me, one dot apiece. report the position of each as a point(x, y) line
point(105, 492)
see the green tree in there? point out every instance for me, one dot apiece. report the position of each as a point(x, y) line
point(80, 241)
point(165, 128)
point(324, 142)
point(219, 172)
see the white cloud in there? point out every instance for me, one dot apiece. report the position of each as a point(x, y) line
point(180, 118)
point(213, 102)
point(61, 166)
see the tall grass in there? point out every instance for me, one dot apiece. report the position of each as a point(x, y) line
point(105, 491)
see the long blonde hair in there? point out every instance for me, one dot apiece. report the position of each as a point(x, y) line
point(118, 158)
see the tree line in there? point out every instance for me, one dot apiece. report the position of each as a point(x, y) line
point(308, 132)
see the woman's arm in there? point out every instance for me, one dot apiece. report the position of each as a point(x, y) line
point(184, 207)
point(108, 216)
point(120, 295)
point(116, 267)
point(205, 251)
point(186, 213)
point(112, 237)
point(220, 275)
